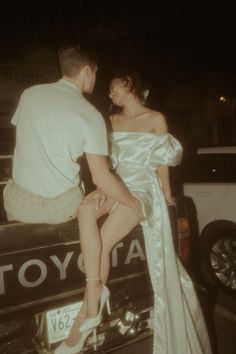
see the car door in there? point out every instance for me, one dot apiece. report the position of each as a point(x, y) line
point(207, 180)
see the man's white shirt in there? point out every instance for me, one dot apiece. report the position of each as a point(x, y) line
point(55, 126)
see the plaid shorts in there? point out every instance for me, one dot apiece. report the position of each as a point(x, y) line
point(24, 206)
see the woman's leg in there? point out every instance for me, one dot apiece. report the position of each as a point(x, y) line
point(117, 225)
point(91, 246)
point(96, 249)
point(90, 243)
point(89, 236)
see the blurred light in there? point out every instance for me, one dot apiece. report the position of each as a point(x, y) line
point(222, 99)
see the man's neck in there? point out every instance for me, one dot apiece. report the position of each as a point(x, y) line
point(73, 81)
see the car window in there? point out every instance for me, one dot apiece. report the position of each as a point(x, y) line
point(211, 168)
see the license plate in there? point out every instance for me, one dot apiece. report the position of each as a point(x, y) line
point(59, 321)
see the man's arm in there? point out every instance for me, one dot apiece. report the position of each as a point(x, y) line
point(108, 183)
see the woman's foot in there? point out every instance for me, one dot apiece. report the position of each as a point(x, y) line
point(63, 348)
point(75, 335)
point(94, 290)
point(93, 318)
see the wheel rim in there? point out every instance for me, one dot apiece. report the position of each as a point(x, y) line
point(223, 261)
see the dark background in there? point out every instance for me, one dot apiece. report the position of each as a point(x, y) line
point(193, 35)
point(185, 49)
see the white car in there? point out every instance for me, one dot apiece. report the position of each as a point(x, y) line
point(210, 181)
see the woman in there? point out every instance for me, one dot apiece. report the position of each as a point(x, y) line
point(142, 150)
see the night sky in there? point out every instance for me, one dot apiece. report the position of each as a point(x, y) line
point(158, 39)
point(193, 35)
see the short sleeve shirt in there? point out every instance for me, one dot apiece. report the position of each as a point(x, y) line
point(55, 125)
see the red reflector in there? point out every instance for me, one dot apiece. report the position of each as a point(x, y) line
point(184, 248)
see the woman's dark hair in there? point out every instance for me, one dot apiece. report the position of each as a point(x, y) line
point(138, 87)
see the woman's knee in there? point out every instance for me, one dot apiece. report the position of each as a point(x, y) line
point(87, 209)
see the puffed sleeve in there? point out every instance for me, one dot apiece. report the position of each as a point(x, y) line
point(166, 151)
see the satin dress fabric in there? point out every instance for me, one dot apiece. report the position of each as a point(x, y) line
point(179, 326)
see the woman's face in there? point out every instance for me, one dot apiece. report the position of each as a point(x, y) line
point(119, 90)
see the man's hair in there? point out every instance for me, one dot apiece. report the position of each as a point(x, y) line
point(73, 59)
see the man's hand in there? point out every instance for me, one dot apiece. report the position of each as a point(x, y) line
point(99, 196)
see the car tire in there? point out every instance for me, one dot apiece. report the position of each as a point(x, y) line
point(219, 256)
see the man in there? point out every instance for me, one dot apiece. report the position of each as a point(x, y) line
point(55, 125)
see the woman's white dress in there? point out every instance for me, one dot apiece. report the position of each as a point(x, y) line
point(179, 326)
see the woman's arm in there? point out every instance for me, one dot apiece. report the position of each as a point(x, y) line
point(163, 173)
point(160, 127)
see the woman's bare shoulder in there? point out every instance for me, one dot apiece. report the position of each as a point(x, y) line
point(159, 124)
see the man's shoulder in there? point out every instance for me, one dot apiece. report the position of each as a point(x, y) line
point(37, 88)
point(90, 111)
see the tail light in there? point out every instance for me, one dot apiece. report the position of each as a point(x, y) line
point(184, 240)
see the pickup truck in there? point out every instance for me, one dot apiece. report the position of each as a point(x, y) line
point(42, 283)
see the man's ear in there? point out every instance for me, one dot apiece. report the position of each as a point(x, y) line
point(86, 68)
point(81, 77)
point(83, 73)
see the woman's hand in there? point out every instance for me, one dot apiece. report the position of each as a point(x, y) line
point(99, 196)
point(170, 201)
point(137, 208)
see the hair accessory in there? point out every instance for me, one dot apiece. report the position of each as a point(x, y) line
point(146, 93)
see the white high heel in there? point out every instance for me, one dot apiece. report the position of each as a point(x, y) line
point(93, 322)
point(63, 348)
